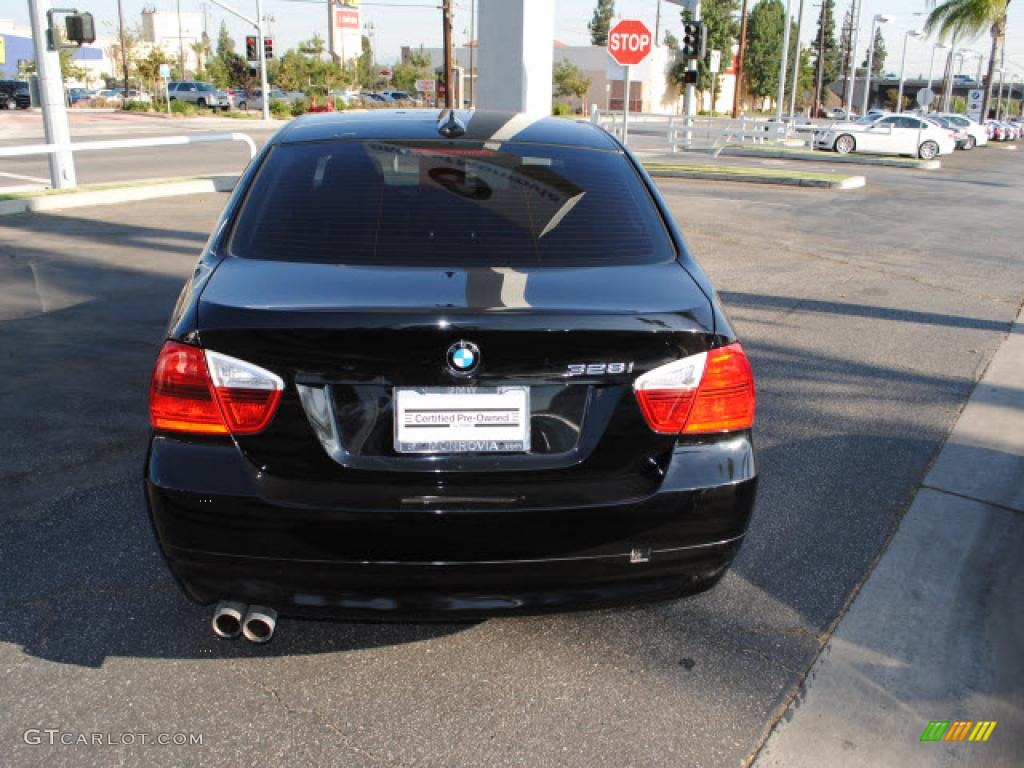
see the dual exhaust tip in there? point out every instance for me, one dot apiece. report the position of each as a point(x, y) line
point(255, 623)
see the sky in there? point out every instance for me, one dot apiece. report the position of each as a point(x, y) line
point(416, 22)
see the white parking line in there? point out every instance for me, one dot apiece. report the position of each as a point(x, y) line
point(18, 176)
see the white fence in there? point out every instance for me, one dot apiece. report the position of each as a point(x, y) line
point(158, 141)
point(679, 131)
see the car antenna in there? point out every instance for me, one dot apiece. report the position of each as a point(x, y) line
point(451, 128)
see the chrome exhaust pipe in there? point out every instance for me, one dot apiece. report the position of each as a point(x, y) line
point(227, 619)
point(259, 623)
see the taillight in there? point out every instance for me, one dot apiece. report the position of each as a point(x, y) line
point(205, 392)
point(708, 392)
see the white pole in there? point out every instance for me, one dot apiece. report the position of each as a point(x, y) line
point(167, 95)
point(875, 21)
point(51, 92)
point(796, 61)
point(262, 53)
point(625, 106)
point(903, 67)
point(782, 65)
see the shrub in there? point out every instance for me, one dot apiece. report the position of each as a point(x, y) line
point(136, 106)
point(280, 108)
point(300, 107)
point(561, 110)
point(183, 108)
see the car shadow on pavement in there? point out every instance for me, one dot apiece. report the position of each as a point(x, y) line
point(789, 303)
point(84, 581)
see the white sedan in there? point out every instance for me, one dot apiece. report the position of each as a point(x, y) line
point(888, 135)
point(977, 136)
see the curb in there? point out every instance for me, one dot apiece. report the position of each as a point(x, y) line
point(940, 591)
point(115, 195)
point(833, 157)
point(846, 182)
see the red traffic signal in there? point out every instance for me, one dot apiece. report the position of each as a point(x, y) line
point(250, 48)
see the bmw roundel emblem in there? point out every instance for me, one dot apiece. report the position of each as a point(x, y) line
point(463, 357)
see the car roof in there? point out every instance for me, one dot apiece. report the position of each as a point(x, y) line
point(423, 124)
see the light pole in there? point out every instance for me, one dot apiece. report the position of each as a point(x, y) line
point(903, 66)
point(954, 70)
point(931, 66)
point(875, 21)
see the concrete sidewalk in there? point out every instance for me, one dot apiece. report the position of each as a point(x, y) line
point(936, 631)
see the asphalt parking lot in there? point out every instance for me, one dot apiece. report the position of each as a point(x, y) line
point(868, 317)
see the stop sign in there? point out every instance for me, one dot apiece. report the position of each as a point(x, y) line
point(629, 42)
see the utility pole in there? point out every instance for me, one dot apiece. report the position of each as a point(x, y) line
point(822, 24)
point(657, 24)
point(181, 48)
point(51, 91)
point(796, 61)
point(738, 88)
point(449, 97)
point(782, 65)
point(855, 16)
point(124, 50)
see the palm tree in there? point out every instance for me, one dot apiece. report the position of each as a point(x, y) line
point(969, 18)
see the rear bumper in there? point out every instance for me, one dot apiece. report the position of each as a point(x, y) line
point(222, 541)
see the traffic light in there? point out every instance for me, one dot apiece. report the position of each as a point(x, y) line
point(79, 28)
point(268, 47)
point(250, 48)
point(695, 38)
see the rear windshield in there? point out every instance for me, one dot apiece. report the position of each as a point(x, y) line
point(433, 203)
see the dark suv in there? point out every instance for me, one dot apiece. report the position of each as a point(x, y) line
point(14, 94)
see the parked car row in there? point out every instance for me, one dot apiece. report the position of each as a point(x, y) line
point(1004, 130)
point(924, 135)
point(888, 134)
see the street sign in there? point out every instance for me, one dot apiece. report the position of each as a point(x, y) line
point(629, 42)
point(715, 61)
point(975, 94)
point(925, 96)
point(165, 71)
point(425, 86)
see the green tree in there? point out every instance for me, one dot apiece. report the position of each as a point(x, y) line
point(601, 22)
point(671, 41)
point(969, 18)
point(148, 71)
point(365, 73)
point(225, 44)
point(764, 48)
point(569, 80)
point(827, 30)
point(719, 16)
point(878, 57)
point(69, 70)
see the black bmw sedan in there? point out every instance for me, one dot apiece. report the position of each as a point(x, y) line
point(448, 365)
